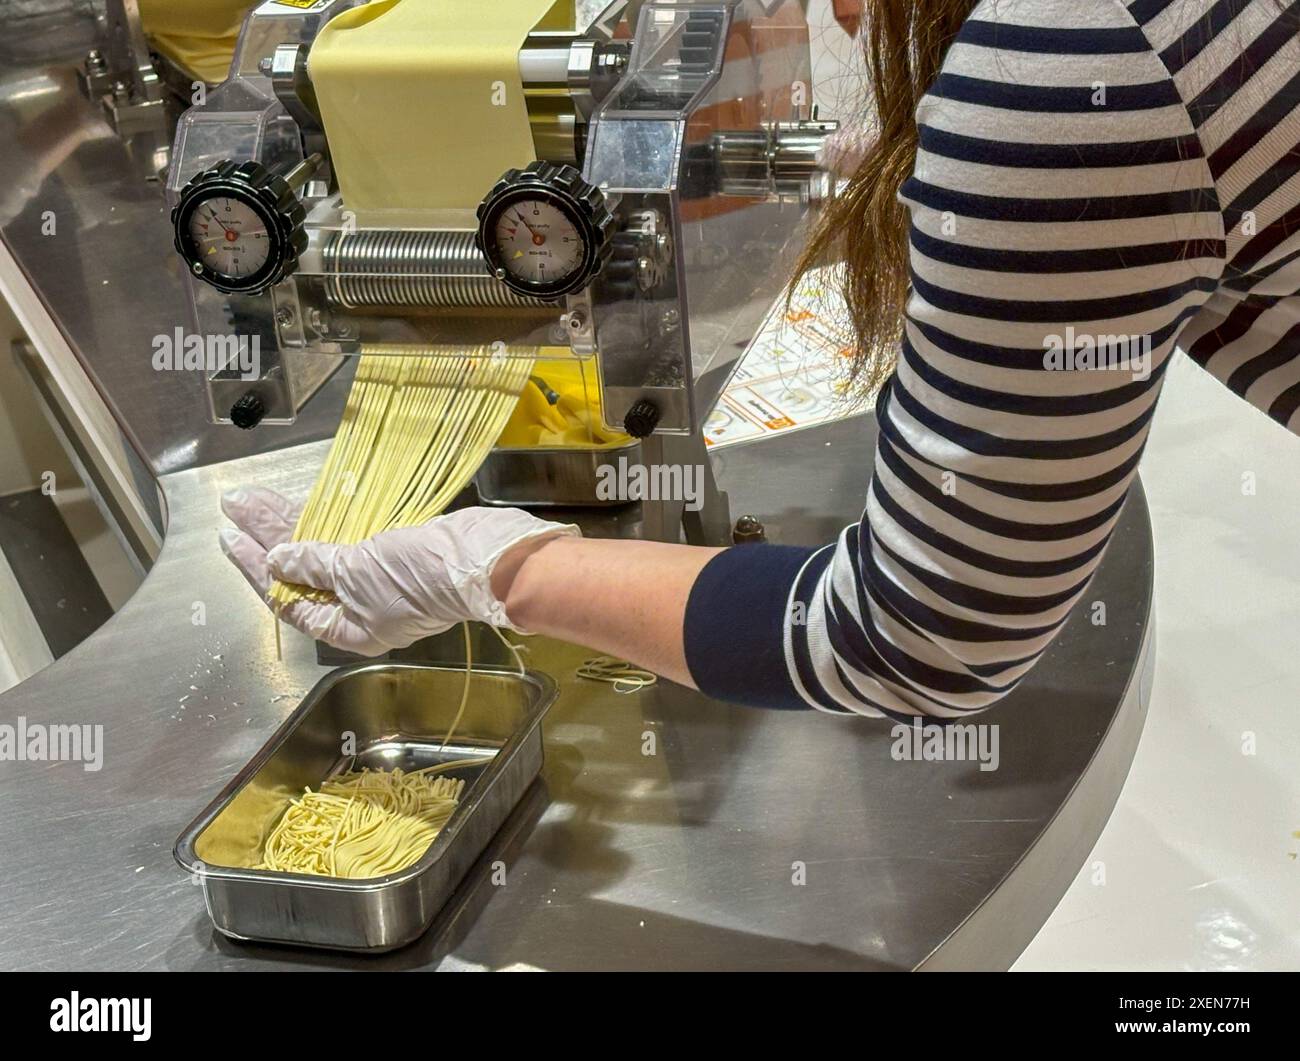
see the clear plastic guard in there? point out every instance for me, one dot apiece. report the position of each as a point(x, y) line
point(695, 265)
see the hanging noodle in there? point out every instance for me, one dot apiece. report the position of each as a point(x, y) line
point(367, 823)
point(415, 429)
point(464, 692)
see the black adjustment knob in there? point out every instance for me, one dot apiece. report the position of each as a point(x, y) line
point(248, 411)
point(748, 529)
point(240, 226)
point(544, 231)
point(641, 419)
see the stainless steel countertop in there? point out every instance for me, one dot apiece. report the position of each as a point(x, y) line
point(683, 859)
point(618, 860)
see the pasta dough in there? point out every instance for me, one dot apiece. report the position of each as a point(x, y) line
point(431, 91)
point(199, 34)
point(364, 823)
point(561, 409)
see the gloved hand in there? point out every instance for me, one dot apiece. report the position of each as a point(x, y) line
point(392, 589)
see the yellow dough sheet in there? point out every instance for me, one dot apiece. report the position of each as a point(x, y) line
point(573, 421)
point(199, 34)
point(422, 100)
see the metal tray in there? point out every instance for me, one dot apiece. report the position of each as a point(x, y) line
point(398, 714)
point(560, 476)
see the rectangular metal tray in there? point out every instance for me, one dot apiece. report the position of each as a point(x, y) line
point(390, 714)
point(557, 476)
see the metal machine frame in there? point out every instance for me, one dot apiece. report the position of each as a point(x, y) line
point(688, 121)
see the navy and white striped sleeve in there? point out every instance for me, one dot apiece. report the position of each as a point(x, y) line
point(1063, 217)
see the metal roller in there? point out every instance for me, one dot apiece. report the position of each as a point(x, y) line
point(426, 268)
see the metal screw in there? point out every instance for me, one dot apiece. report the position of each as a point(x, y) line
point(284, 316)
point(647, 273)
point(748, 529)
point(612, 60)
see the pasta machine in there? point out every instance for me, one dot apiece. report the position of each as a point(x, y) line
point(153, 59)
point(671, 157)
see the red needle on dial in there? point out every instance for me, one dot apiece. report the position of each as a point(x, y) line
point(231, 235)
point(538, 238)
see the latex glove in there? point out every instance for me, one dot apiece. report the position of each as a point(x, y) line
point(394, 588)
point(266, 519)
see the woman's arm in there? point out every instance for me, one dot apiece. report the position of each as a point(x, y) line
point(624, 598)
point(495, 565)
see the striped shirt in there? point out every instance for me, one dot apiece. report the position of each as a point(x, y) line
point(1096, 183)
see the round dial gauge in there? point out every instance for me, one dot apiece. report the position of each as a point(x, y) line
point(538, 242)
point(229, 237)
point(544, 231)
point(239, 226)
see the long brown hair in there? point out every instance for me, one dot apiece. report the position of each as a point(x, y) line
point(904, 42)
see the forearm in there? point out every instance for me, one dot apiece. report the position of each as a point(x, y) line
point(623, 598)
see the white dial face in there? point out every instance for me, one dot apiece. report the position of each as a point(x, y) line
point(229, 236)
point(536, 241)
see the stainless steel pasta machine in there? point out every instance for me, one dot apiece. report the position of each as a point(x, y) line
point(675, 150)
